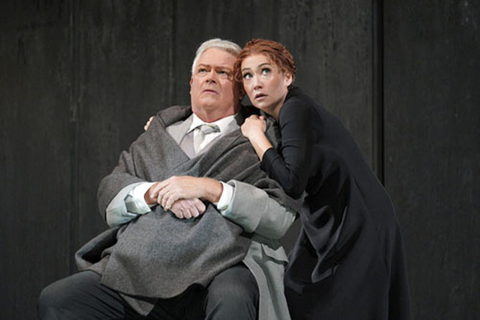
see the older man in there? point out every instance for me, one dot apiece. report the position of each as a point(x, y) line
point(195, 222)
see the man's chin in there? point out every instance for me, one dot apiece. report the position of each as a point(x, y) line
point(209, 102)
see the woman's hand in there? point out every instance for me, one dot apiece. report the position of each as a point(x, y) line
point(168, 191)
point(148, 123)
point(254, 126)
point(254, 130)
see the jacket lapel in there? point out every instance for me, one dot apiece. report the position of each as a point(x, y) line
point(178, 130)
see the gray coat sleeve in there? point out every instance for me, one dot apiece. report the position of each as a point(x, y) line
point(256, 212)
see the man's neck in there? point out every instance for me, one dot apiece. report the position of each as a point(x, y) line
point(210, 116)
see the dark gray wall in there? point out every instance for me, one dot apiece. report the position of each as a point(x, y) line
point(432, 149)
point(78, 79)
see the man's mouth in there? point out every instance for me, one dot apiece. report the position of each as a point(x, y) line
point(210, 91)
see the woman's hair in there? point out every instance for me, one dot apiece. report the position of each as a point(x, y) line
point(216, 43)
point(275, 51)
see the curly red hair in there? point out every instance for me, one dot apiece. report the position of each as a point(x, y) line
point(275, 51)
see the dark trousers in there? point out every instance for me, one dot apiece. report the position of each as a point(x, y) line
point(233, 294)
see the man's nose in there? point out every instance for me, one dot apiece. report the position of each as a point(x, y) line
point(211, 76)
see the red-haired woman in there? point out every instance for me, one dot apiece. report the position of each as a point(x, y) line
point(348, 262)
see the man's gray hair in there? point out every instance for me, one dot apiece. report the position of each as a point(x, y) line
point(216, 43)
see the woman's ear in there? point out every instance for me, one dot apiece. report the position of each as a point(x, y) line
point(288, 79)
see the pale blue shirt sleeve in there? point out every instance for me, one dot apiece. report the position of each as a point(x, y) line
point(128, 204)
point(225, 198)
point(135, 200)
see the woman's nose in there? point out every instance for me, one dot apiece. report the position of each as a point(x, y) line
point(257, 83)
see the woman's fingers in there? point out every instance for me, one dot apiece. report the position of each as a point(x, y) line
point(148, 123)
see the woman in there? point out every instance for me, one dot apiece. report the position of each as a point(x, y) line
point(348, 262)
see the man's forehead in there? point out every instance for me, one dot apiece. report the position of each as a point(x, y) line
point(216, 58)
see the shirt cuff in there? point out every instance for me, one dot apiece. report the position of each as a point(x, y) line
point(135, 200)
point(225, 198)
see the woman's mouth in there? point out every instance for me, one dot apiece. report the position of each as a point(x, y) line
point(260, 96)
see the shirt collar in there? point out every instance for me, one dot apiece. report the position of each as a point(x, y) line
point(222, 124)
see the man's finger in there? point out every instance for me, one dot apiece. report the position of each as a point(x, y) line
point(160, 199)
point(165, 199)
point(169, 201)
point(179, 214)
point(187, 214)
point(194, 212)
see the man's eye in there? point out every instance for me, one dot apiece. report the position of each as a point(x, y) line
point(224, 73)
point(201, 70)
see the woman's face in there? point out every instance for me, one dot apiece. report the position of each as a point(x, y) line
point(265, 84)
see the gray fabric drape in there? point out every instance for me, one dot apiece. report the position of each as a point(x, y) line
point(157, 255)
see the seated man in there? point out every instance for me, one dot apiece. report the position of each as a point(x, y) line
point(225, 260)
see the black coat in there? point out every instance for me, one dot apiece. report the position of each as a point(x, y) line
point(348, 262)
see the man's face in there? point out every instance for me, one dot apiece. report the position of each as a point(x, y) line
point(213, 90)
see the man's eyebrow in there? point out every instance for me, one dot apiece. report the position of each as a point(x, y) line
point(203, 65)
point(223, 68)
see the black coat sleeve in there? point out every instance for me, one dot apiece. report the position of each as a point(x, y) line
point(291, 164)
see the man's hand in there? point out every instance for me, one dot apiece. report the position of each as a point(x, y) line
point(168, 191)
point(188, 208)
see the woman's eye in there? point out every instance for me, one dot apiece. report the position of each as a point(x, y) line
point(247, 76)
point(265, 71)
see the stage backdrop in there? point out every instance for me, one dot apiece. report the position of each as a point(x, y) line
point(78, 80)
